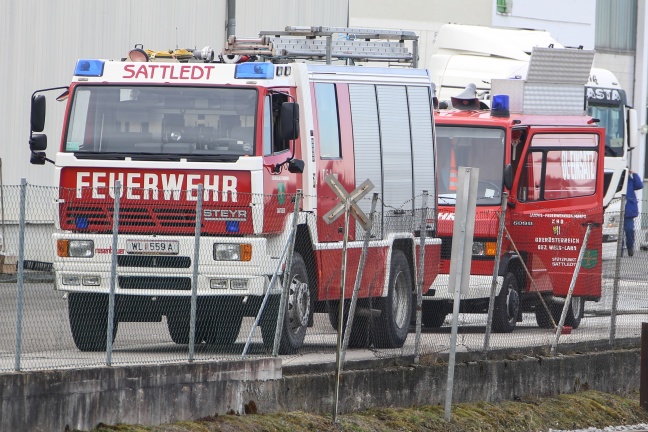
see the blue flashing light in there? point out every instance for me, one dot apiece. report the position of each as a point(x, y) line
point(81, 223)
point(89, 68)
point(232, 226)
point(500, 106)
point(251, 70)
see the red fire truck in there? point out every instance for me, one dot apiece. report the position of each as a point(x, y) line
point(536, 144)
point(252, 126)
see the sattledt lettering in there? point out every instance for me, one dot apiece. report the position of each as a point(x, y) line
point(152, 71)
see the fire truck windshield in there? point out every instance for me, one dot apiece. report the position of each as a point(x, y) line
point(611, 118)
point(475, 147)
point(162, 120)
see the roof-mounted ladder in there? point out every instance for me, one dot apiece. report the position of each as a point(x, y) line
point(318, 43)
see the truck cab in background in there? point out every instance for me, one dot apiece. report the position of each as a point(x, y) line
point(537, 144)
point(474, 54)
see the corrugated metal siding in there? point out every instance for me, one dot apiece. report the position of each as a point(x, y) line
point(253, 15)
point(396, 146)
point(422, 144)
point(366, 148)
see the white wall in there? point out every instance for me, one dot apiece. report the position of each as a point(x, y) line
point(572, 22)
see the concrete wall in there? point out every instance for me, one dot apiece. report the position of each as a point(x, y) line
point(151, 395)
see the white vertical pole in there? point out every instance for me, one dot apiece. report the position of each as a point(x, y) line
point(460, 260)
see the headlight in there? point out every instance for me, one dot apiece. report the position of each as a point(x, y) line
point(484, 249)
point(232, 252)
point(75, 248)
point(611, 221)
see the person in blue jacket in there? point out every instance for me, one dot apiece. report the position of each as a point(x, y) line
point(631, 210)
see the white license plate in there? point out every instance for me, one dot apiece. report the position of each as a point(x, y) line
point(153, 247)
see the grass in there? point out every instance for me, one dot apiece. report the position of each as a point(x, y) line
point(568, 411)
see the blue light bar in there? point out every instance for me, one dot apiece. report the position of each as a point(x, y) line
point(89, 68)
point(500, 106)
point(253, 70)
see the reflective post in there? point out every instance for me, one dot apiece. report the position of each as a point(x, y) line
point(194, 282)
point(113, 275)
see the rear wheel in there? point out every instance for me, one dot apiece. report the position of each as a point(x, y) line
point(575, 312)
point(298, 313)
point(360, 331)
point(88, 314)
point(507, 306)
point(573, 318)
point(391, 327)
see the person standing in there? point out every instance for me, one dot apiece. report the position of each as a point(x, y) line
point(631, 210)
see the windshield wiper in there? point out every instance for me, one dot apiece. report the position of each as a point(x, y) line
point(196, 156)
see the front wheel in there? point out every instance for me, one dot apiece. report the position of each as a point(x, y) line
point(507, 306)
point(88, 314)
point(298, 313)
point(391, 327)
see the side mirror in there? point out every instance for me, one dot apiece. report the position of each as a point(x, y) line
point(289, 121)
point(38, 142)
point(38, 113)
point(296, 166)
point(38, 158)
point(508, 176)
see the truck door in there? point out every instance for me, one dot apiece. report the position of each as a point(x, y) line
point(557, 192)
point(333, 153)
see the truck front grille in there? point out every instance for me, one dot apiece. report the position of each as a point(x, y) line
point(154, 283)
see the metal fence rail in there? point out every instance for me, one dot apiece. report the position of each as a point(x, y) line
point(67, 322)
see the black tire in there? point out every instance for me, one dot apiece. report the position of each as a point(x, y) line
point(507, 306)
point(544, 318)
point(433, 314)
point(575, 312)
point(360, 336)
point(390, 329)
point(298, 313)
point(221, 322)
point(572, 319)
point(178, 321)
point(88, 315)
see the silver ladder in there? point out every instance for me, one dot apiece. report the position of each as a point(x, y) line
point(318, 43)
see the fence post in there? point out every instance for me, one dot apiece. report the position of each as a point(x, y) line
point(281, 315)
point(194, 282)
point(20, 275)
point(493, 292)
point(113, 275)
point(643, 380)
point(617, 271)
point(356, 287)
point(572, 285)
point(420, 277)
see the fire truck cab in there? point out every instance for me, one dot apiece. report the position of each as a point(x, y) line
point(537, 145)
point(252, 127)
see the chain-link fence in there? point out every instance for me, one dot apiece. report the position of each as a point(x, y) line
point(176, 276)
